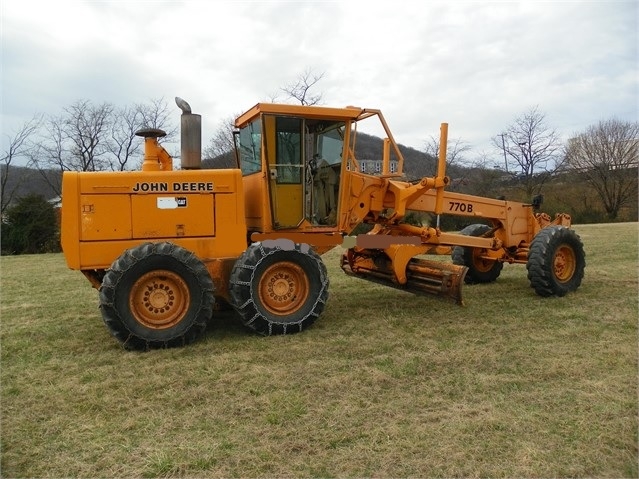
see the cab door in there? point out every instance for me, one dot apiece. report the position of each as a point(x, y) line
point(284, 154)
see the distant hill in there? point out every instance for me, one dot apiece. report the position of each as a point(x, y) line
point(417, 163)
point(24, 181)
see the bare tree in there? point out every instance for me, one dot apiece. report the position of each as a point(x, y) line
point(158, 114)
point(607, 155)
point(455, 151)
point(123, 143)
point(88, 137)
point(531, 149)
point(219, 152)
point(299, 90)
point(86, 127)
point(74, 141)
point(20, 146)
point(481, 178)
point(50, 154)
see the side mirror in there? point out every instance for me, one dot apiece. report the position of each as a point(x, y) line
point(537, 202)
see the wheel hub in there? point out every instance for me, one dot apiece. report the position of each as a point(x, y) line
point(159, 299)
point(283, 288)
point(479, 262)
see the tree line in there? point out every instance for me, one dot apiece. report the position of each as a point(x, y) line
point(595, 171)
point(592, 176)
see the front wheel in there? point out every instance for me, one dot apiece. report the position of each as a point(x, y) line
point(556, 261)
point(279, 287)
point(156, 295)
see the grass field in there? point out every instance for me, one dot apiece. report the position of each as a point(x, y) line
point(385, 384)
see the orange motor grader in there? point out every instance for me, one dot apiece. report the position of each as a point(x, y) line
point(163, 245)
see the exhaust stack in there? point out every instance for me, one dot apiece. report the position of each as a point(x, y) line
point(191, 137)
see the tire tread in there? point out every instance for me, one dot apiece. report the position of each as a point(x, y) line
point(112, 316)
point(242, 281)
point(540, 258)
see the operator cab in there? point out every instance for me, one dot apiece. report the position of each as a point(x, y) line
point(291, 164)
point(292, 159)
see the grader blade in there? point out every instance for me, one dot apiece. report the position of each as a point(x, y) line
point(423, 277)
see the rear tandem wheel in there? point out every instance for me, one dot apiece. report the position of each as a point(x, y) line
point(156, 295)
point(279, 287)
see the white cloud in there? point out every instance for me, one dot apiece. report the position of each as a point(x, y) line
point(475, 65)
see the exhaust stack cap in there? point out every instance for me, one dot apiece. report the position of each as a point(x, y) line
point(183, 105)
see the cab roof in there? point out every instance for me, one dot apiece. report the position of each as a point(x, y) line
point(304, 111)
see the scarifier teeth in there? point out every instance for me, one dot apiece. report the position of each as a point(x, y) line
point(424, 277)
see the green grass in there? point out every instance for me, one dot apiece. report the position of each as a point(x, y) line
point(385, 384)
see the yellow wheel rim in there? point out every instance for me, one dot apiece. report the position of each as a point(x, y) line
point(283, 288)
point(481, 264)
point(159, 299)
point(564, 263)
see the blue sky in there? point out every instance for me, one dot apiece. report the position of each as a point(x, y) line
point(474, 64)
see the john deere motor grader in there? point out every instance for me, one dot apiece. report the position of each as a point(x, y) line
point(162, 245)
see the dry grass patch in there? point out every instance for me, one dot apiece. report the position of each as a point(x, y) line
point(385, 384)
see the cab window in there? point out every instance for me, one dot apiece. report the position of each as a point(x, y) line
point(288, 160)
point(250, 148)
